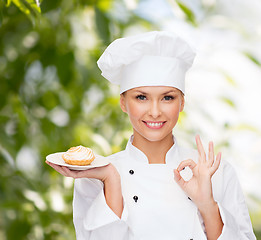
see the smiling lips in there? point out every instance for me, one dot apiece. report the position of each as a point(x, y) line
point(154, 125)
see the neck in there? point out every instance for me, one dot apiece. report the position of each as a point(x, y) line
point(154, 150)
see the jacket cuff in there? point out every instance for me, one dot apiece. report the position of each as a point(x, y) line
point(100, 214)
point(230, 229)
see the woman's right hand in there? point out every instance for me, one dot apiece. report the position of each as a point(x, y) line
point(102, 173)
point(108, 175)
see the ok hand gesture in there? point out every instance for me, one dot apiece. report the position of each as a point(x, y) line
point(199, 187)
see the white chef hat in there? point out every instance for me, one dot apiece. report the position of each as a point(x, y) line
point(149, 59)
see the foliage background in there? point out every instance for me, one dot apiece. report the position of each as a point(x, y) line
point(52, 96)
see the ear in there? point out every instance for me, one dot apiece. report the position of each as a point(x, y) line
point(182, 104)
point(123, 103)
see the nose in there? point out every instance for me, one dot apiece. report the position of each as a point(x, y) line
point(155, 110)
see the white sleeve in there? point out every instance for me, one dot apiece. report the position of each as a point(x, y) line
point(233, 209)
point(93, 219)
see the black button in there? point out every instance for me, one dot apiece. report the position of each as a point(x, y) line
point(135, 198)
point(131, 172)
point(190, 200)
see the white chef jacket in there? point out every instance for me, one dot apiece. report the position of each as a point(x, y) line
point(155, 207)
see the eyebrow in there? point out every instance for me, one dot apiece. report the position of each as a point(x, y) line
point(174, 91)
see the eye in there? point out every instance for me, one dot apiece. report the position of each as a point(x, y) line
point(168, 98)
point(141, 97)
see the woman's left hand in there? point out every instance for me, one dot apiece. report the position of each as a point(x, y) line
point(199, 187)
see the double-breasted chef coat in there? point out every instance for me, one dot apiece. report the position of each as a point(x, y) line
point(154, 205)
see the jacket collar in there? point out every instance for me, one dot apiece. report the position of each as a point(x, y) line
point(172, 156)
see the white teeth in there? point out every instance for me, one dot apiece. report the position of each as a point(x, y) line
point(155, 124)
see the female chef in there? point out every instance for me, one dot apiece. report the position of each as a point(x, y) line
point(156, 189)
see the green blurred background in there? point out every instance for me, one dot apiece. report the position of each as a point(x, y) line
point(52, 96)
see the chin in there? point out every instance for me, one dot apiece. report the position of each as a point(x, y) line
point(156, 137)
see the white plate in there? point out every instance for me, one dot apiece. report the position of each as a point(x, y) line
point(56, 158)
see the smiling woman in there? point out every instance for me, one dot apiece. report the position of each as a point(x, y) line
point(144, 194)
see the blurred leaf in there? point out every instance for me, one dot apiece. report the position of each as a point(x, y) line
point(102, 23)
point(229, 79)
point(50, 5)
point(8, 3)
point(189, 14)
point(18, 229)
point(247, 127)
point(104, 5)
point(228, 102)
point(28, 7)
point(253, 58)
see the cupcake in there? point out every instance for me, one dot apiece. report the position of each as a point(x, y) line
point(78, 156)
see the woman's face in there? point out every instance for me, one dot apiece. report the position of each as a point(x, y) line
point(153, 111)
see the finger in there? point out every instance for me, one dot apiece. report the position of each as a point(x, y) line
point(78, 174)
point(60, 170)
point(47, 162)
point(186, 163)
point(50, 164)
point(216, 164)
point(57, 168)
point(179, 180)
point(211, 155)
point(201, 151)
point(89, 173)
point(70, 173)
point(65, 171)
point(97, 173)
point(81, 174)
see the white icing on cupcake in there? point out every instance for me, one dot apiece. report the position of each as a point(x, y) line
point(78, 153)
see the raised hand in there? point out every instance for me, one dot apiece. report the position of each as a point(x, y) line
point(199, 187)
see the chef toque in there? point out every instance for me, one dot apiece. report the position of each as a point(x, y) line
point(149, 59)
